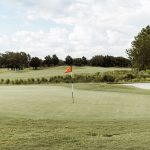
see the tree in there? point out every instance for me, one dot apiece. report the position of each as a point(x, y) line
point(48, 60)
point(122, 62)
point(139, 53)
point(84, 61)
point(109, 61)
point(35, 62)
point(61, 62)
point(15, 60)
point(97, 60)
point(77, 62)
point(69, 60)
point(21, 60)
point(55, 60)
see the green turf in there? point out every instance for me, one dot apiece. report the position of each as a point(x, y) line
point(27, 134)
point(52, 71)
point(54, 102)
point(104, 116)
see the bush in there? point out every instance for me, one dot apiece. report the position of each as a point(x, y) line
point(7, 81)
point(44, 80)
point(143, 74)
point(32, 80)
point(12, 82)
point(129, 76)
point(2, 81)
point(38, 81)
point(25, 82)
point(21, 81)
point(17, 81)
point(108, 78)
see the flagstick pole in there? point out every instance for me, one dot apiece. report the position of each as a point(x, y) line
point(72, 89)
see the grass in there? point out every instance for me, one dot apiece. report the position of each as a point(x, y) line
point(54, 102)
point(52, 71)
point(70, 135)
point(104, 116)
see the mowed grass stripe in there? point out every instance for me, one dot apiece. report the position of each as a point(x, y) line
point(54, 102)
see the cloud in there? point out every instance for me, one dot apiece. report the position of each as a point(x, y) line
point(77, 27)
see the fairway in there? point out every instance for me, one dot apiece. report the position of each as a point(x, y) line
point(103, 117)
point(51, 71)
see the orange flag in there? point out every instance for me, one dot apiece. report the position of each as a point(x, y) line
point(69, 69)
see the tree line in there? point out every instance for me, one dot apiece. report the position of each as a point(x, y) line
point(138, 57)
point(21, 60)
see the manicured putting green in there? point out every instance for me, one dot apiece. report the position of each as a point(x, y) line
point(92, 102)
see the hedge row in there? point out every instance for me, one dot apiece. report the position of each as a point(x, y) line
point(111, 76)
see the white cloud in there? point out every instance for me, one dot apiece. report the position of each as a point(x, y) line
point(97, 27)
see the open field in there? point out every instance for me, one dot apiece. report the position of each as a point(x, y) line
point(52, 71)
point(104, 116)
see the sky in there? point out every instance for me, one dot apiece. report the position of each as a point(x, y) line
point(71, 27)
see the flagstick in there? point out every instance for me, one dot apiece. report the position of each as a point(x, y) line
point(72, 89)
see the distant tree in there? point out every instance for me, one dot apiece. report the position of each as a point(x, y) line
point(97, 60)
point(122, 62)
point(61, 62)
point(109, 61)
point(139, 53)
point(84, 61)
point(20, 60)
point(29, 59)
point(55, 60)
point(23, 60)
point(1, 59)
point(10, 60)
point(77, 62)
point(48, 60)
point(35, 62)
point(69, 60)
point(15, 60)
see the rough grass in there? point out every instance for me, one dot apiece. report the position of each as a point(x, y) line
point(103, 117)
point(30, 134)
point(52, 71)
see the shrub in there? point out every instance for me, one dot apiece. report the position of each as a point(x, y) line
point(2, 81)
point(44, 80)
point(97, 77)
point(7, 81)
point(50, 79)
point(21, 81)
point(143, 74)
point(16, 81)
point(108, 78)
point(25, 82)
point(12, 82)
point(38, 81)
point(32, 80)
point(129, 76)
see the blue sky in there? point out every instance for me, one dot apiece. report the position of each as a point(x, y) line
point(71, 27)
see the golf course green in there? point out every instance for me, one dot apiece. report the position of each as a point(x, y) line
point(104, 116)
